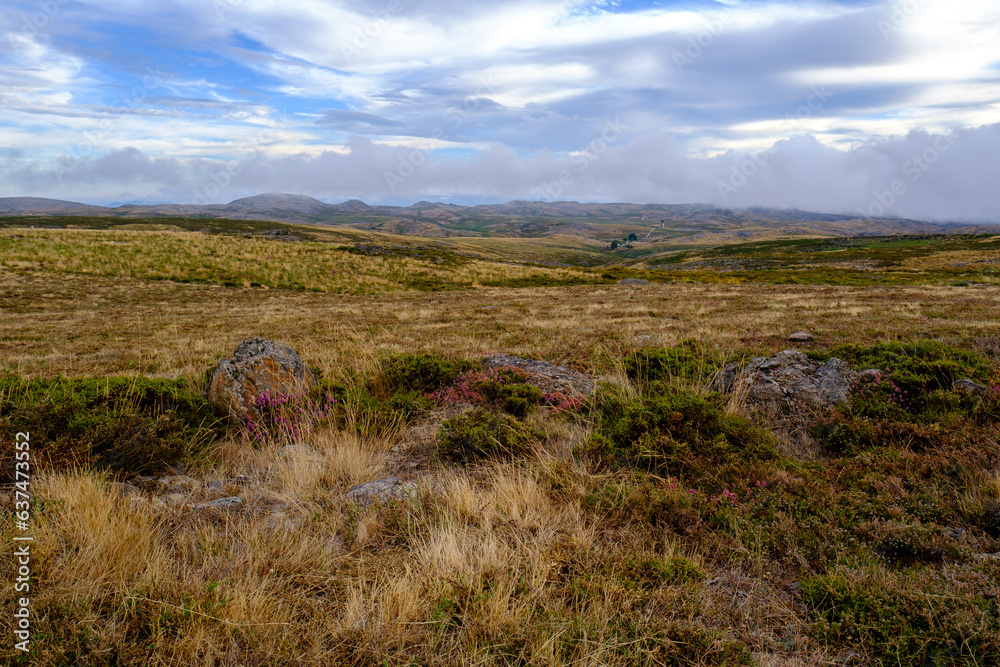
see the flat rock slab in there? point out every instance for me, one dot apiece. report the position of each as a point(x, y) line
point(634, 281)
point(800, 337)
point(382, 491)
point(257, 367)
point(547, 377)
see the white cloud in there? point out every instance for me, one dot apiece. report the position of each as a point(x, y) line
point(949, 176)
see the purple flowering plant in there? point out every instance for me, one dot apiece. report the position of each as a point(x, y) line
point(876, 396)
point(285, 418)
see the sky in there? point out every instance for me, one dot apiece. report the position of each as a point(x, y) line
point(876, 108)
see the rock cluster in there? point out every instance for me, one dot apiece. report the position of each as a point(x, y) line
point(547, 377)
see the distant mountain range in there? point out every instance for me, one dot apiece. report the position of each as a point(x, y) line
point(514, 218)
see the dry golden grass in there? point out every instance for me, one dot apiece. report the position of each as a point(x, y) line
point(479, 559)
point(82, 325)
point(254, 261)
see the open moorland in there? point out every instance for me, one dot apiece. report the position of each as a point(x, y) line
point(666, 518)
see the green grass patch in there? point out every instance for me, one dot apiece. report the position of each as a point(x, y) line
point(128, 424)
point(484, 434)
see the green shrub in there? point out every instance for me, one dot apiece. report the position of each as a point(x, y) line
point(920, 366)
point(410, 404)
point(908, 545)
point(674, 432)
point(484, 434)
point(132, 424)
point(910, 404)
point(504, 389)
point(911, 617)
point(519, 399)
point(423, 373)
point(839, 435)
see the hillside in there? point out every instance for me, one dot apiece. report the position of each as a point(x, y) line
point(523, 219)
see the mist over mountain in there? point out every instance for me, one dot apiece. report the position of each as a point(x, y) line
point(514, 218)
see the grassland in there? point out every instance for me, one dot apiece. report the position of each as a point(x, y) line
point(876, 551)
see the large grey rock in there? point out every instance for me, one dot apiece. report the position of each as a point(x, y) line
point(547, 377)
point(634, 281)
point(382, 491)
point(789, 376)
point(258, 367)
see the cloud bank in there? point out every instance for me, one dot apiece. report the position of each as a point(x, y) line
point(831, 105)
point(921, 175)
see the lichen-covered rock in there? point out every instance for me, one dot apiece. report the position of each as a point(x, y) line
point(257, 367)
point(382, 491)
point(789, 376)
point(547, 377)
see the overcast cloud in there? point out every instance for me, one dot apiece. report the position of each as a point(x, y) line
point(877, 108)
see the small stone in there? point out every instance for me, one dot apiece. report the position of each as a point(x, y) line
point(174, 499)
point(412, 464)
point(969, 387)
point(382, 491)
point(227, 503)
point(634, 281)
point(800, 337)
point(179, 484)
point(954, 533)
point(217, 487)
